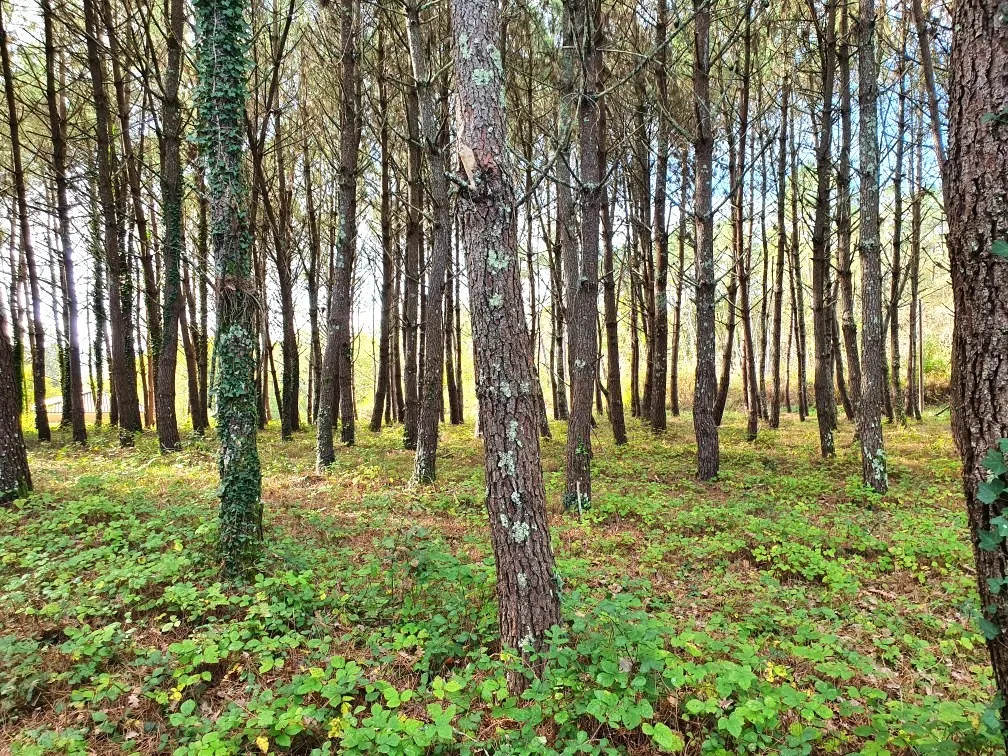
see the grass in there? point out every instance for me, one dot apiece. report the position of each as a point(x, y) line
point(780, 609)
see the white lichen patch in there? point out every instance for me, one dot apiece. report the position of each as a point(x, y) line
point(481, 77)
point(520, 532)
point(497, 260)
point(496, 301)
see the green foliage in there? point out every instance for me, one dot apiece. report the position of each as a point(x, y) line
point(772, 612)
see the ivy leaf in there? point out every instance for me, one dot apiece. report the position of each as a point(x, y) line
point(989, 491)
point(995, 463)
point(995, 584)
point(1000, 248)
point(187, 707)
point(989, 629)
point(989, 540)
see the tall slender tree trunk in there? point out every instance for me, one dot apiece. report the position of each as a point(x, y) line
point(527, 582)
point(822, 305)
point(383, 382)
point(223, 37)
point(845, 257)
point(914, 357)
point(680, 279)
point(131, 183)
point(704, 419)
point(337, 359)
point(658, 387)
point(778, 304)
point(581, 261)
point(120, 284)
point(873, 459)
point(614, 385)
point(797, 283)
point(896, 279)
point(57, 130)
point(976, 185)
point(743, 246)
point(174, 240)
point(25, 238)
point(411, 301)
point(425, 467)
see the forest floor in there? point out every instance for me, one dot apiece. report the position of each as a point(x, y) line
point(780, 609)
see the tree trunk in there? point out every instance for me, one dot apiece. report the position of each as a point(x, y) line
point(223, 98)
point(57, 130)
point(743, 247)
point(658, 386)
point(414, 244)
point(27, 248)
point(120, 283)
point(581, 261)
point(614, 385)
point(425, 467)
point(896, 279)
point(174, 239)
point(822, 305)
point(704, 419)
point(527, 583)
point(845, 257)
point(778, 304)
point(977, 182)
point(797, 284)
point(873, 460)
point(15, 477)
point(385, 212)
point(680, 280)
point(914, 357)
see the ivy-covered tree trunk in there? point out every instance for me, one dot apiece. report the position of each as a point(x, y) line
point(704, 421)
point(425, 467)
point(223, 35)
point(15, 477)
point(25, 239)
point(873, 460)
point(57, 130)
point(174, 238)
point(527, 583)
point(977, 183)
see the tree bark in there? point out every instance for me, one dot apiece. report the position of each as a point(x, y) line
point(120, 283)
point(977, 173)
point(27, 248)
point(778, 304)
point(704, 420)
point(425, 467)
point(57, 130)
point(223, 97)
point(822, 305)
point(658, 387)
point(15, 477)
point(873, 460)
point(174, 239)
point(873, 463)
point(527, 583)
